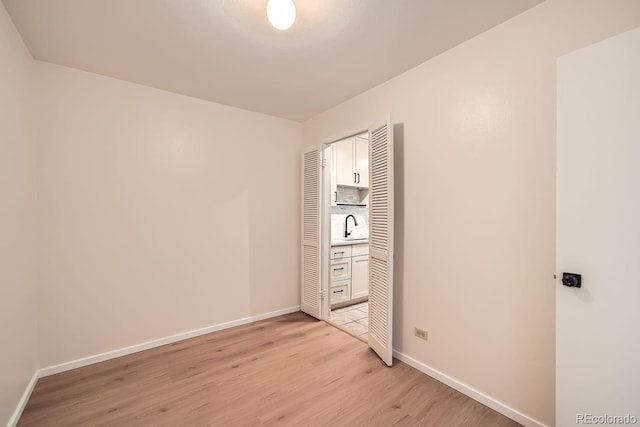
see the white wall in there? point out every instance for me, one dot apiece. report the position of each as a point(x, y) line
point(18, 323)
point(598, 368)
point(475, 197)
point(161, 213)
point(139, 212)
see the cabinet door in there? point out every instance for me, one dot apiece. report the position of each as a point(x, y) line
point(359, 276)
point(345, 174)
point(362, 162)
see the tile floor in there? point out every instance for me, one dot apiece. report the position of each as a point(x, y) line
point(354, 318)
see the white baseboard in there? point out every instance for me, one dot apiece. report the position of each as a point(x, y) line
point(90, 360)
point(489, 401)
point(78, 363)
point(13, 421)
point(85, 361)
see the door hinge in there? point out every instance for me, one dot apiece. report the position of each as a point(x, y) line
point(323, 162)
point(323, 295)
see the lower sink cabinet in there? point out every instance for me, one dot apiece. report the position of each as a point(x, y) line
point(349, 274)
point(359, 276)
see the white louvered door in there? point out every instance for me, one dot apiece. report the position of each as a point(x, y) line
point(381, 241)
point(311, 278)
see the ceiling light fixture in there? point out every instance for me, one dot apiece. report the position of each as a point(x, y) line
point(281, 13)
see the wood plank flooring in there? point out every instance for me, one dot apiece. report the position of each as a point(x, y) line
point(288, 371)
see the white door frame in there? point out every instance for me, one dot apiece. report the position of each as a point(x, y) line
point(381, 342)
point(325, 206)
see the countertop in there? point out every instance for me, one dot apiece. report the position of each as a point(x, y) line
point(349, 242)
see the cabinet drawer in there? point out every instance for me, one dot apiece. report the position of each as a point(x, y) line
point(339, 252)
point(362, 249)
point(340, 270)
point(340, 292)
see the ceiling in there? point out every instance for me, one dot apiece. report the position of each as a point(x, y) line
point(225, 51)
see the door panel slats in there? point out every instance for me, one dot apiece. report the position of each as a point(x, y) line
point(311, 265)
point(381, 241)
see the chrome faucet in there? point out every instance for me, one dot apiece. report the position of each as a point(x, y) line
point(347, 233)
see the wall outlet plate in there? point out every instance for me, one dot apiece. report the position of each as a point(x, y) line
point(420, 333)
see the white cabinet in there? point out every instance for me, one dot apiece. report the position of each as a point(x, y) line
point(360, 249)
point(352, 162)
point(361, 161)
point(349, 274)
point(359, 276)
point(344, 163)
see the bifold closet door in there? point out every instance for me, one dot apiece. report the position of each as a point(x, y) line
point(381, 240)
point(310, 292)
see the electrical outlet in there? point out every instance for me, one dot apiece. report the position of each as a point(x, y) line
point(420, 333)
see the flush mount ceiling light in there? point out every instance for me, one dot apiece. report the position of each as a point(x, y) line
point(281, 13)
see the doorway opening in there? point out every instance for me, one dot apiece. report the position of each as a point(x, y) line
point(350, 262)
point(346, 167)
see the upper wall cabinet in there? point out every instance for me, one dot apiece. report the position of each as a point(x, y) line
point(352, 159)
point(361, 148)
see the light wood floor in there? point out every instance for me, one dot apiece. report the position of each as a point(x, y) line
point(290, 370)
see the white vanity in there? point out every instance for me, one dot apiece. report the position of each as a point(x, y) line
point(349, 272)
